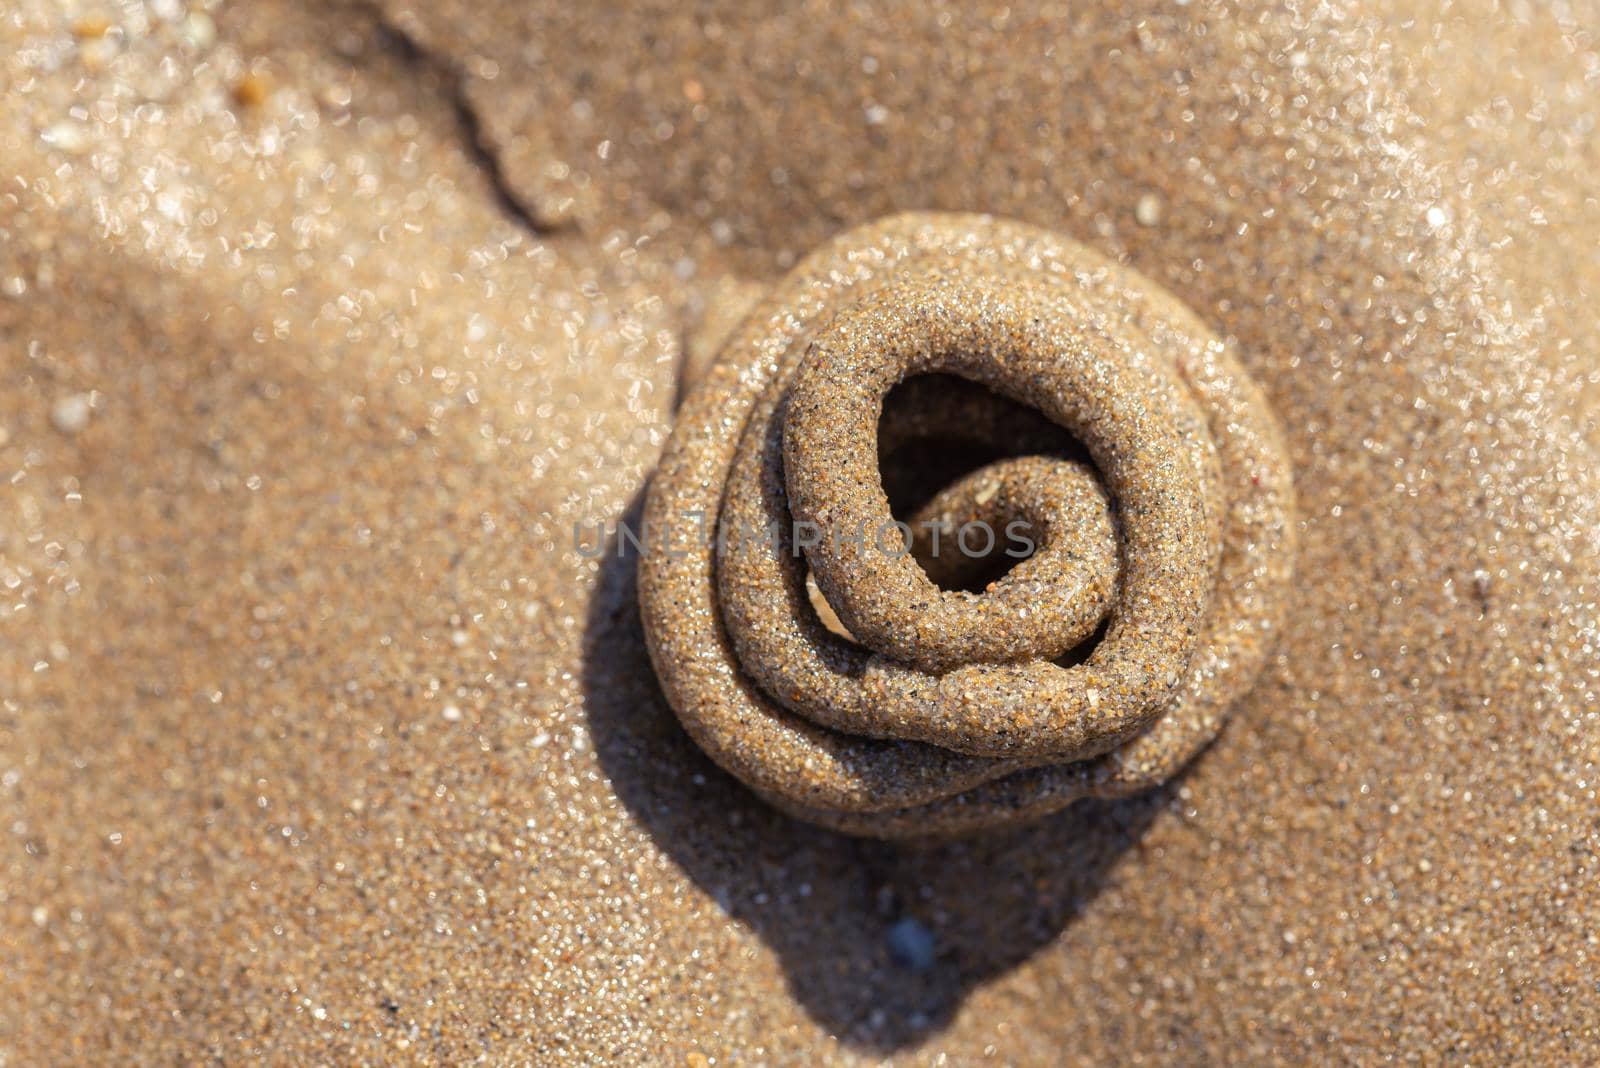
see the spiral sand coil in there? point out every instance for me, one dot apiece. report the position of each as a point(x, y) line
point(1097, 666)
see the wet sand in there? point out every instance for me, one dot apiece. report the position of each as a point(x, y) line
point(319, 331)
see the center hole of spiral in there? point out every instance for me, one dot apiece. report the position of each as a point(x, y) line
point(936, 429)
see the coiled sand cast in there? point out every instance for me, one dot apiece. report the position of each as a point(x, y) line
point(1103, 416)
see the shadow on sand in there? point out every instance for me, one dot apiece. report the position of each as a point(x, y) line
point(880, 942)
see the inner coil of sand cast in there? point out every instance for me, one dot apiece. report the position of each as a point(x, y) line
point(990, 374)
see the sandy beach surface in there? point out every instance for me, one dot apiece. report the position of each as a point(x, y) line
point(321, 325)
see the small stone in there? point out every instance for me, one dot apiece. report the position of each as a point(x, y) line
point(71, 414)
point(199, 30)
point(1148, 211)
point(91, 28)
point(452, 713)
point(251, 91)
point(912, 945)
point(67, 136)
point(97, 54)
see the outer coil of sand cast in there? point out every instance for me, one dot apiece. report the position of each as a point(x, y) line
point(949, 710)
